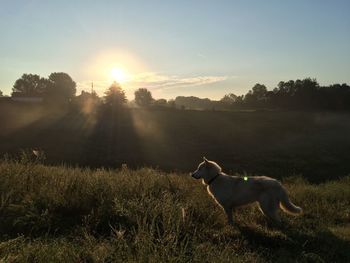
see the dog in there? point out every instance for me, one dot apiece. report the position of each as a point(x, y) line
point(234, 191)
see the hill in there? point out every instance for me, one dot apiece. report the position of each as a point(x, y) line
point(66, 214)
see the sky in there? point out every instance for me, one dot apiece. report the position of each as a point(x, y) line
point(176, 48)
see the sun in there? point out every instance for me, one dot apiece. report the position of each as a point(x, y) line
point(119, 75)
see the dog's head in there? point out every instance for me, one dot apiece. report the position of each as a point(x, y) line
point(206, 170)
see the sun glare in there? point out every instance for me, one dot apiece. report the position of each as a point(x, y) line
point(119, 75)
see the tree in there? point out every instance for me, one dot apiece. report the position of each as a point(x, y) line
point(84, 95)
point(87, 102)
point(193, 102)
point(306, 93)
point(257, 96)
point(172, 104)
point(259, 91)
point(143, 97)
point(29, 85)
point(115, 95)
point(1, 94)
point(229, 98)
point(62, 87)
point(299, 94)
point(160, 103)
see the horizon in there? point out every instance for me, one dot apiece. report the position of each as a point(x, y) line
point(176, 49)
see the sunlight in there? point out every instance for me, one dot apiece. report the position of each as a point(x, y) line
point(119, 75)
point(113, 65)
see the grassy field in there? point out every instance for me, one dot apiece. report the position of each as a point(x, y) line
point(67, 214)
point(314, 145)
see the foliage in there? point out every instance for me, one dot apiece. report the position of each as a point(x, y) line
point(143, 97)
point(58, 88)
point(62, 214)
point(160, 103)
point(85, 96)
point(257, 96)
point(229, 98)
point(115, 96)
point(304, 94)
point(171, 103)
point(193, 102)
point(62, 87)
point(87, 102)
point(30, 85)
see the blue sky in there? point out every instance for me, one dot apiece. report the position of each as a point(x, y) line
point(200, 48)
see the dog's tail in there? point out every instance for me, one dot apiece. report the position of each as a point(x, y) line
point(287, 206)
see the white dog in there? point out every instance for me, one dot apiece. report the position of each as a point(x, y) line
point(234, 191)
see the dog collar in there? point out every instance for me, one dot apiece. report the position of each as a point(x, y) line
point(212, 179)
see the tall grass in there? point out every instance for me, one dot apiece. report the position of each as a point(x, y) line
point(67, 214)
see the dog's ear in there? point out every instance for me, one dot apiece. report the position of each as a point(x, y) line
point(205, 160)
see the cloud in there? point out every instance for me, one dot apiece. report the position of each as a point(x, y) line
point(155, 82)
point(200, 55)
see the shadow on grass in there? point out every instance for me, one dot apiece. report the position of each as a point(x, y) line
point(113, 141)
point(319, 245)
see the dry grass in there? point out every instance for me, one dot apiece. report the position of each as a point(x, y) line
point(65, 214)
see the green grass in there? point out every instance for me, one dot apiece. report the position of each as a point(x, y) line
point(67, 214)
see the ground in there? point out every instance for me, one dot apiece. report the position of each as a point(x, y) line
point(70, 214)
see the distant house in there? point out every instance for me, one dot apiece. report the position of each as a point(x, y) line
point(28, 99)
point(5, 99)
point(19, 97)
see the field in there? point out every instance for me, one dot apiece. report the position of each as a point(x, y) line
point(114, 187)
point(314, 145)
point(67, 214)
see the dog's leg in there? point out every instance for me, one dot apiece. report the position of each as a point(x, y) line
point(228, 211)
point(269, 206)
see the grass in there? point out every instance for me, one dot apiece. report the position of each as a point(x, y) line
point(70, 214)
point(273, 143)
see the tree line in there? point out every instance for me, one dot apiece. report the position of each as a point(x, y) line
point(58, 87)
point(305, 94)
